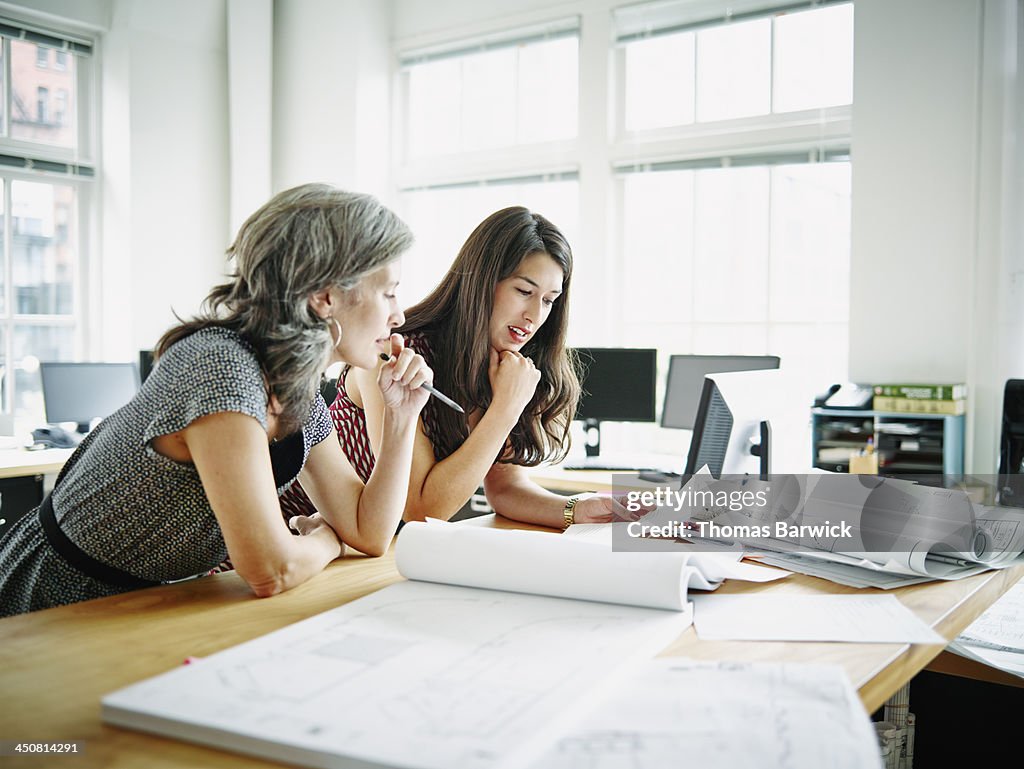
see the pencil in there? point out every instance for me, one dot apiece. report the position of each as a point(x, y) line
point(430, 389)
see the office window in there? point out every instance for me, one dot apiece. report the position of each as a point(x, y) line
point(45, 206)
point(685, 68)
point(725, 244)
point(517, 88)
point(740, 259)
point(707, 236)
point(479, 120)
point(33, 117)
point(443, 217)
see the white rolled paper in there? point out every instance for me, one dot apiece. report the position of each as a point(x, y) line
point(543, 564)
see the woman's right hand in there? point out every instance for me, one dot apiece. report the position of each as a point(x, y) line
point(400, 378)
point(314, 525)
point(514, 380)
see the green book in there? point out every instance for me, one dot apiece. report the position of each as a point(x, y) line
point(919, 405)
point(926, 392)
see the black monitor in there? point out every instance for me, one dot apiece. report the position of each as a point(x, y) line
point(618, 386)
point(1011, 446)
point(686, 381)
point(145, 364)
point(732, 432)
point(82, 392)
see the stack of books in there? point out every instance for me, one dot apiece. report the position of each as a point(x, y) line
point(921, 398)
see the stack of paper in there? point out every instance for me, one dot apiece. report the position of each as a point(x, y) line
point(466, 665)
point(996, 638)
point(674, 712)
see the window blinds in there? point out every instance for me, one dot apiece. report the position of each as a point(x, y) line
point(18, 31)
point(553, 30)
point(636, 22)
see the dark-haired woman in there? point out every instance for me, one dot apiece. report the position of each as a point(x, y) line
point(190, 470)
point(494, 332)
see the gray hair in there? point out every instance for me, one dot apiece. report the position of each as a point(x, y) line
point(303, 240)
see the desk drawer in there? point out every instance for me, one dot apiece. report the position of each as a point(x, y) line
point(17, 497)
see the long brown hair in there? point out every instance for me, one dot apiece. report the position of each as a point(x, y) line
point(301, 241)
point(456, 318)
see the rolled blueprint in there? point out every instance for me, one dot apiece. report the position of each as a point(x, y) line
point(545, 564)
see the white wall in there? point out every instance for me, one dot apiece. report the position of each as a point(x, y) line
point(332, 73)
point(413, 18)
point(250, 45)
point(931, 145)
point(165, 156)
point(915, 142)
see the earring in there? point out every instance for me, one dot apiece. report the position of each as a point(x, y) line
point(337, 326)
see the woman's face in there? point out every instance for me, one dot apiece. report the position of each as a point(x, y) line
point(523, 301)
point(367, 315)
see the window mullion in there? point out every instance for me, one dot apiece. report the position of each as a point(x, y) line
point(8, 314)
point(5, 129)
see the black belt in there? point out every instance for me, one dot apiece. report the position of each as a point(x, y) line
point(81, 560)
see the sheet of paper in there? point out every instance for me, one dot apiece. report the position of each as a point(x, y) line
point(414, 675)
point(674, 712)
point(840, 573)
point(1010, 662)
point(851, 618)
point(1001, 626)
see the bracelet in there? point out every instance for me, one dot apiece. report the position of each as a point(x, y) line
point(567, 511)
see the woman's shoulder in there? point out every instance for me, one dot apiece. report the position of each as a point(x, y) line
point(211, 342)
point(211, 357)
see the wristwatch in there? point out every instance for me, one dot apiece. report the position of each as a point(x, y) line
point(570, 506)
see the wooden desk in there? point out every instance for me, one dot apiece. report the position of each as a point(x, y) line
point(22, 484)
point(55, 665)
point(555, 478)
point(15, 463)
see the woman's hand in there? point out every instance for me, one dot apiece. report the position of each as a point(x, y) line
point(514, 380)
point(315, 526)
point(608, 509)
point(400, 378)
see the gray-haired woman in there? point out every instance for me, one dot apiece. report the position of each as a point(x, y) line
point(189, 471)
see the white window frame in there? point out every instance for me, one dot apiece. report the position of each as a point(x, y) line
point(602, 145)
point(37, 162)
point(535, 159)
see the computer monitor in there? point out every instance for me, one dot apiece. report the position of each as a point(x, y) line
point(82, 392)
point(732, 430)
point(686, 381)
point(145, 364)
point(618, 386)
point(1011, 446)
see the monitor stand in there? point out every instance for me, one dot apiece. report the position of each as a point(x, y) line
point(762, 449)
point(629, 463)
point(592, 429)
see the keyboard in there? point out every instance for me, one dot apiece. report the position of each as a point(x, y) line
point(660, 464)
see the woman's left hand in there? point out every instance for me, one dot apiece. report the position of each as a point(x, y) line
point(604, 508)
